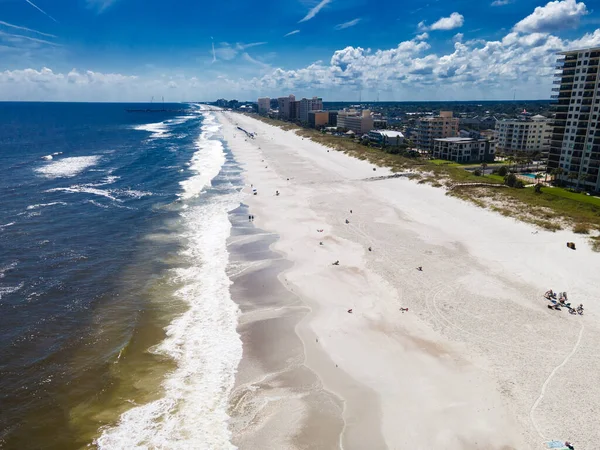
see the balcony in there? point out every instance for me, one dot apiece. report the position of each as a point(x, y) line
point(559, 124)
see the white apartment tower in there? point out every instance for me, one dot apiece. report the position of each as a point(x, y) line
point(264, 105)
point(575, 139)
point(527, 135)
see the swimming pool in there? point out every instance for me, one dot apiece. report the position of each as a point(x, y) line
point(529, 175)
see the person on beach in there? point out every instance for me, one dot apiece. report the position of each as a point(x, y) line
point(350, 211)
point(420, 268)
point(549, 294)
point(580, 309)
point(370, 249)
point(347, 221)
point(337, 263)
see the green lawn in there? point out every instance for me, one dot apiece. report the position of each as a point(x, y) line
point(564, 193)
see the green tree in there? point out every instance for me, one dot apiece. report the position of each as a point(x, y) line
point(573, 176)
point(538, 177)
point(510, 179)
point(483, 167)
point(502, 171)
point(582, 177)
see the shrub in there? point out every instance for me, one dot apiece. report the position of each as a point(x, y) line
point(519, 184)
point(510, 180)
point(581, 228)
point(537, 188)
point(502, 171)
point(477, 172)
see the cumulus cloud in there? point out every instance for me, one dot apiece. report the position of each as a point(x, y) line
point(554, 16)
point(314, 11)
point(455, 20)
point(348, 24)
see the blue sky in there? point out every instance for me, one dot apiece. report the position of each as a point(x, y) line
point(130, 50)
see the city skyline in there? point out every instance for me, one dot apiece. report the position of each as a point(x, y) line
point(126, 50)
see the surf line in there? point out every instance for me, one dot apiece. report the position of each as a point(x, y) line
point(547, 382)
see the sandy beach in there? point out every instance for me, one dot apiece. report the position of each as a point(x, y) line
point(477, 362)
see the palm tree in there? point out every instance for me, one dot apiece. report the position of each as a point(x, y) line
point(557, 174)
point(538, 177)
point(582, 177)
point(573, 176)
point(510, 159)
point(483, 167)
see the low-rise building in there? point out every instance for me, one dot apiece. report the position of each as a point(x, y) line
point(318, 119)
point(524, 135)
point(430, 128)
point(355, 121)
point(386, 137)
point(264, 105)
point(463, 150)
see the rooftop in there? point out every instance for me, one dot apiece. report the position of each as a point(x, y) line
point(389, 133)
point(456, 139)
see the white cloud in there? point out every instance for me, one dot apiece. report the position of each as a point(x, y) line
point(29, 30)
point(348, 24)
point(502, 2)
point(100, 5)
point(227, 52)
point(458, 37)
point(422, 37)
point(41, 10)
point(314, 11)
point(455, 20)
point(291, 33)
point(554, 16)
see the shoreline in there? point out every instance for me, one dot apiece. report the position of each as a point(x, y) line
point(464, 367)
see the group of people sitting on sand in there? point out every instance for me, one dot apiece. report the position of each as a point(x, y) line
point(561, 300)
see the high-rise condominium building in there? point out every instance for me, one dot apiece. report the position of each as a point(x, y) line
point(575, 140)
point(285, 107)
point(264, 105)
point(308, 104)
point(525, 135)
point(430, 128)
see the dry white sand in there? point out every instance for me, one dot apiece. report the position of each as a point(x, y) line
point(477, 362)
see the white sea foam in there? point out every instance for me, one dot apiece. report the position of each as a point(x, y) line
point(158, 130)
point(47, 157)
point(5, 290)
point(203, 341)
point(6, 268)
point(207, 162)
point(86, 189)
point(44, 205)
point(67, 167)
point(6, 225)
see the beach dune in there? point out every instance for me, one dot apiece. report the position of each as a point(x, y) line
point(331, 361)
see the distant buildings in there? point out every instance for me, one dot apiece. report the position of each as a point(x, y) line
point(575, 140)
point(529, 135)
point(478, 122)
point(355, 121)
point(463, 150)
point(286, 108)
point(430, 128)
point(318, 119)
point(306, 105)
point(386, 138)
point(264, 105)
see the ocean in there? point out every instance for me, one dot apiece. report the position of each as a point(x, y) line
point(117, 328)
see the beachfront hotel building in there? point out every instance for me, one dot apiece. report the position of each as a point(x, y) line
point(463, 150)
point(430, 128)
point(575, 139)
point(306, 105)
point(356, 121)
point(264, 105)
point(389, 138)
point(318, 119)
point(527, 135)
point(286, 107)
